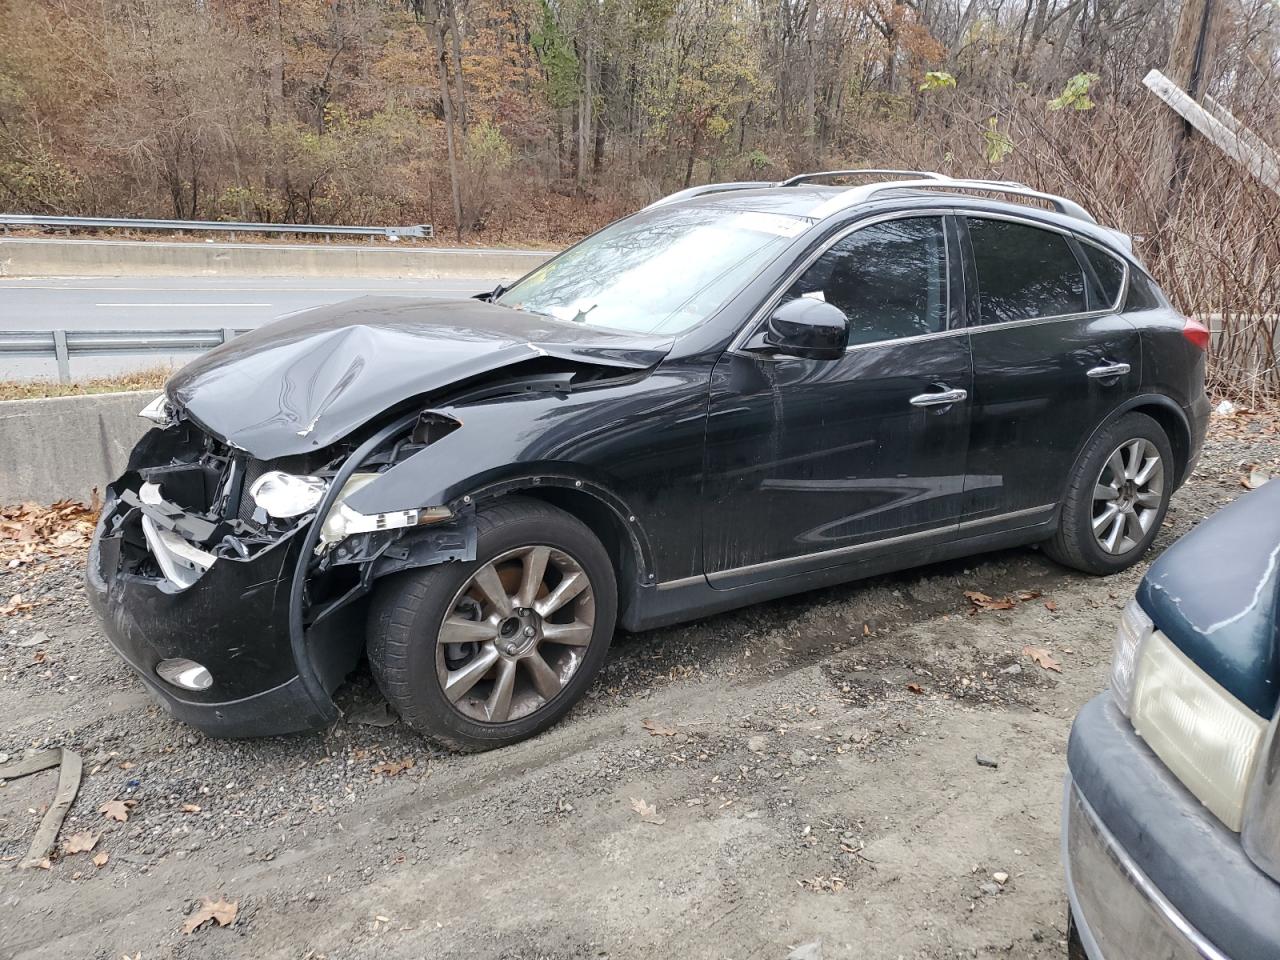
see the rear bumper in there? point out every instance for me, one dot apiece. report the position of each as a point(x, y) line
point(1150, 873)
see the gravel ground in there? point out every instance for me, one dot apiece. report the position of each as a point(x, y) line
point(801, 771)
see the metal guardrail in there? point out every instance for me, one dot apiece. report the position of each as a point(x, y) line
point(63, 344)
point(11, 220)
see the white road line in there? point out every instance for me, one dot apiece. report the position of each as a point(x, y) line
point(202, 304)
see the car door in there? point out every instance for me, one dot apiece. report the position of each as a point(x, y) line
point(811, 463)
point(1051, 359)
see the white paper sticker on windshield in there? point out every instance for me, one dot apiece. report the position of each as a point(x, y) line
point(778, 224)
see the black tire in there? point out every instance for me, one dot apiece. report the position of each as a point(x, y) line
point(1074, 544)
point(408, 610)
point(1075, 946)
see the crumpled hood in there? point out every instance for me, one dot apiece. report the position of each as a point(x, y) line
point(305, 381)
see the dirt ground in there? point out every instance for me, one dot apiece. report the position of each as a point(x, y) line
point(799, 772)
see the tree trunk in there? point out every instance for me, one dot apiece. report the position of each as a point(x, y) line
point(436, 31)
point(810, 81)
point(460, 93)
point(1190, 57)
point(276, 67)
point(585, 119)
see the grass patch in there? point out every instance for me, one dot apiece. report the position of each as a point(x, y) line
point(152, 379)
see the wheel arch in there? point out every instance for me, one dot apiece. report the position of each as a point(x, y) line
point(605, 514)
point(1163, 411)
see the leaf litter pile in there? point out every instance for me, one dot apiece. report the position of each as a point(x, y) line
point(32, 536)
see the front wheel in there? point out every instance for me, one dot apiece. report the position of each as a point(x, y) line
point(1116, 498)
point(482, 654)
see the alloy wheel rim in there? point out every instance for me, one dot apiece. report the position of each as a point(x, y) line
point(517, 630)
point(1127, 496)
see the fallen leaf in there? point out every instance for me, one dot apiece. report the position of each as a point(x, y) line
point(393, 768)
point(190, 808)
point(1028, 594)
point(100, 859)
point(649, 814)
point(81, 842)
point(982, 601)
point(1041, 656)
point(657, 728)
point(1051, 606)
point(915, 688)
point(219, 911)
point(115, 810)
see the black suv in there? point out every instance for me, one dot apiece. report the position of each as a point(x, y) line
point(742, 391)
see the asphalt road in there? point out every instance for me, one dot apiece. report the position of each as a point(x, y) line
point(170, 303)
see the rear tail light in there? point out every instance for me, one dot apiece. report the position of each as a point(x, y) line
point(1196, 332)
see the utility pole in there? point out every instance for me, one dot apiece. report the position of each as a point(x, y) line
point(1190, 61)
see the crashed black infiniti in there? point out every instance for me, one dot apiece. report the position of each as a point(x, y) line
point(741, 392)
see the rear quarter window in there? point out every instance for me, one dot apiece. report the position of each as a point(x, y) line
point(1024, 272)
point(1109, 273)
point(1142, 294)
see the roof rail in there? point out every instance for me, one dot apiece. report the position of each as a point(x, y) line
point(868, 172)
point(690, 192)
point(866, 192)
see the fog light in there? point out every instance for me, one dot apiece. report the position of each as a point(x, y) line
point(184, 673)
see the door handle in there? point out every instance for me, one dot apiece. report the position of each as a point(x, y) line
point(1108, 370)
point(942, 399)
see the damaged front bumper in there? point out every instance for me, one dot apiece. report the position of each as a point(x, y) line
point(233, 621)
point(190, 580)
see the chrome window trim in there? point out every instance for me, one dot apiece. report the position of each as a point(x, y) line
point(759, 316)
point(1033, 321)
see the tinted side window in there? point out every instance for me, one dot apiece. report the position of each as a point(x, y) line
point(1142, 294)
point(890, 279)
point(1024, 272)
point(1110, 274)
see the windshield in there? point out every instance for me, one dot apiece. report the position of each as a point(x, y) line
point(661, 271)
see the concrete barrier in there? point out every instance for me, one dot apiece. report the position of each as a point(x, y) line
point(65, 446)
point(116, 258)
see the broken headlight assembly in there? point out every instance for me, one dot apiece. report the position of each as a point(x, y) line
point(285, 495)
point(157, 411)
point(342, 521)
point(1205, 736)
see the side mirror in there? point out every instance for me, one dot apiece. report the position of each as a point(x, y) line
point(812, 329)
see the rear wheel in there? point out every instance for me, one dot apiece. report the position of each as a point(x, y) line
point(481, 654)
point(1116, 498)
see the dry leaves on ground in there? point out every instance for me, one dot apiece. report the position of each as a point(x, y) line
point(58, 530)
point(190, 808)
point(657, 728)
point(1041, 656)
point(823, 884)
point(393, 768)
point(218, 911)
point(81, 842)
point(648, 813)
point(100, 859)
point(117, 810)
point(1254, 479)
point(982, 601)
